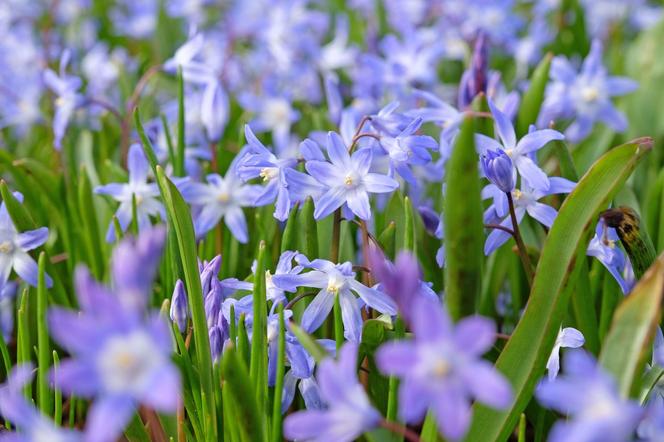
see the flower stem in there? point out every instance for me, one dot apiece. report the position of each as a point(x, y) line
point(338, 324)
point(400, 429)
point(336, 236)
point(523, 252)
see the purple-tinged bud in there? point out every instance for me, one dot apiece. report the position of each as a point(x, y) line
point(499, 169)
point(474, 79)
point(179, 308)
point(430, 219)
point(210, 270)
point(213, 302)
point(216, 342)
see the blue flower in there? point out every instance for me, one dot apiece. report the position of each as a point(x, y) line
point(222, 198)
point(258, 161)
point(14, 248)
point(525, 201)
point(498, 168)
point(31, 424)
point(179, 311)
point(442, 369)
point(585, 97)
point(349, 412)
point(120, 353)
point(568, 337)
point(347, 179)
point(334, 280)
point(604, 246)
point(137, 188)
point(520, 152)
point(68, 99)
point(590, 399)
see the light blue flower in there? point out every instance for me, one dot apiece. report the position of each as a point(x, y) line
point(568, 337)
point(584, 97)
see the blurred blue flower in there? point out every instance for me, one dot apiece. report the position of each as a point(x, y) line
point(349, 412)
point(590, 399)
point(7, 294)
point(120, 353)
point(258, 161)
point(347, 179)
point(604, 246)
point(568, 337)
point(651, 428)
point(474, 79)
point(525, 201)
point(14, 248)
point(68, 99)
point(442, 368)
point(31, 424)
point(521, 152)
point(222, 198)
point(334, 280)
point(137, 188)
point(584, 97)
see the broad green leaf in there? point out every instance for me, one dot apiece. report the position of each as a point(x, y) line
point(291, 234)
point(258, 364)
point(43, 343)
point(534, 96)
point(632, 329)
point(464, 234)
point(524, 357)
point(17, 211)
point(387, 240)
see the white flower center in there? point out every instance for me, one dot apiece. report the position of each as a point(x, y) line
point(127, 362)
point(6, 247)
point(509, 152)
point(589, 93)
point(268, 173)
point(224, 197)
point(442, 368)
point(517, 194)
point(351, 180)
point(335, 282)
point(277, 112)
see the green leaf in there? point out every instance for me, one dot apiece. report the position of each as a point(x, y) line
point(464, 234)
point(308, 342)
point(524, 357)
point(409, 230)
point(179, 218)
point(178, 165)
point(310, 229)
point(534, 96)
point(387, 240)
point(632, 329)
point(240, 387)
point(258, 363)
point(17, 211)
point(43, 344)
point(290, 236)
point(277, 416)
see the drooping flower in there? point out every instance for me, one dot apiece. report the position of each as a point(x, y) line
point(31, 424)
point(347, 179)
point(590, 399)
point(604, 246)
point(349, 412)
point(14, 248)
point(521, 152)
point(222, 198)
point(525, 201)
point(568, 337)
point(120, 354)
point(334, 280)
point(68, 98)
point(442, 369)
point(137, 189)
point(584, 97)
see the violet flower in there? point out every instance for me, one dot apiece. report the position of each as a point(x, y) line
point(347, 179)
point(120, 356)
point(334, 280)
point(584, 97)
point(349, 412)
point(520, 152)
point(442, 369)
point(32, 425)
point(137, 188)
point(14, 248)
point(222, 198)
point(568, 337)
point(590, 399)
point(604, 246)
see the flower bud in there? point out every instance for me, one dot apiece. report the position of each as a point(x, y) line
point(179, 310)
point(498, 168)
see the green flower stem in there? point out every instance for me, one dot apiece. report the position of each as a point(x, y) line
point(523, 251)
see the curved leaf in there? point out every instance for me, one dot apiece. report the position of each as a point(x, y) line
point(632, 329)
point(524, 357)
